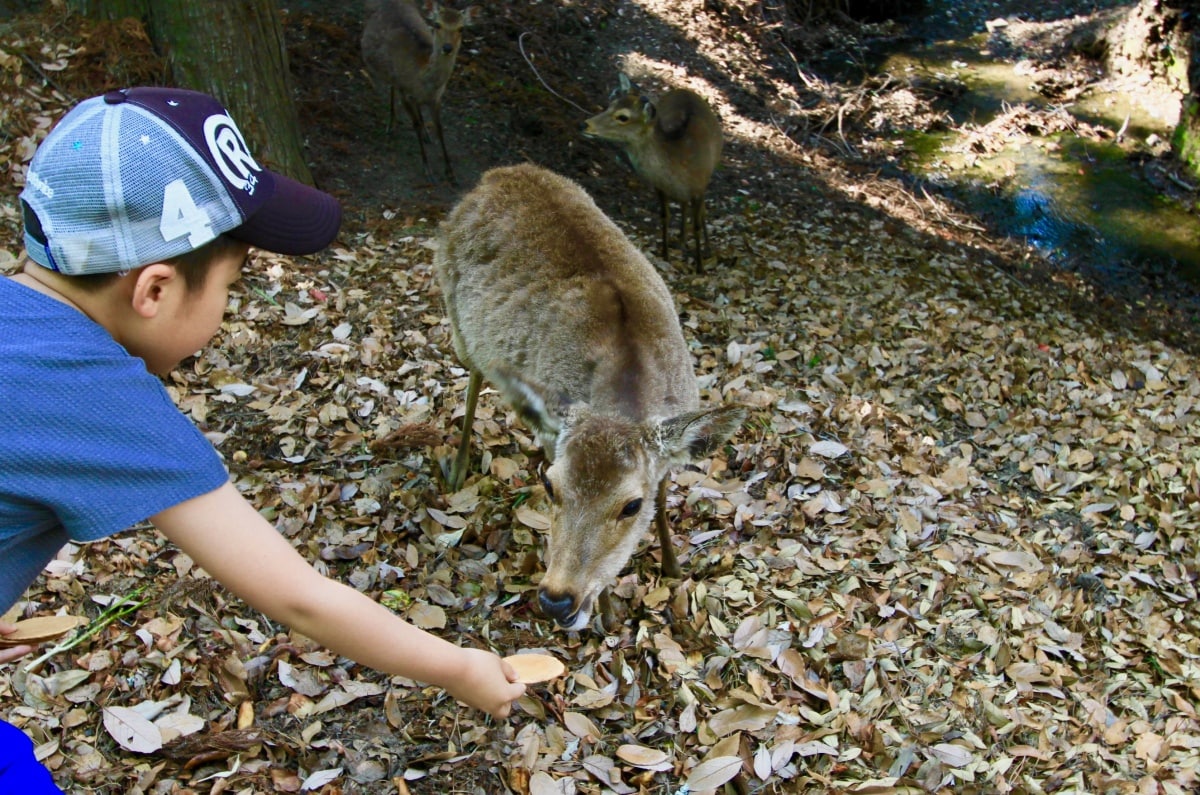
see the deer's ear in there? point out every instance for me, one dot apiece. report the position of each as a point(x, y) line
point(471, 15)
point(626, 84)
point(697, 434)
point(539, 406)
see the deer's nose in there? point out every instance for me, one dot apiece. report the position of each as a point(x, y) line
point(447, 48)
point(560, 607)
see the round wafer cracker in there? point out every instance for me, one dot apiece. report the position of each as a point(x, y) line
point(32, 631)
point(533, 668)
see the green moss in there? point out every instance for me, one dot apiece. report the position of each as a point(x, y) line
point(1186, 141)
point(924, 147)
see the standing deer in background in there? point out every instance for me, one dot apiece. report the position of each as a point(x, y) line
point(673, 145)
point(551, 302)
point(406, 55)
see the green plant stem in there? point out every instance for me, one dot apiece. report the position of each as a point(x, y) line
point(118, 609)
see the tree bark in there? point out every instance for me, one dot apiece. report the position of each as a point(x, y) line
point(1154, 38)
point(1186, 141)
point(111, 10)
point(233, 50)
point(1158, 38)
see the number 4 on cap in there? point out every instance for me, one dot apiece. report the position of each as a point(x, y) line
point(182, 216)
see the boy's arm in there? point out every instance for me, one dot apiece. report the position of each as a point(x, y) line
point(241, 550)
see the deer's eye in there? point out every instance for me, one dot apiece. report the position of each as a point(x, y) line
point(631, 508)
point(622, 117)
point(546, 483)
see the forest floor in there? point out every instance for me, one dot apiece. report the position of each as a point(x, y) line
point(953, 550)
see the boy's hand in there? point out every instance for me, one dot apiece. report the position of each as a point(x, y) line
point(486, 682)
point(13, 652)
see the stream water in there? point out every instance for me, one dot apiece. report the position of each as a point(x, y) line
point(1086, 204)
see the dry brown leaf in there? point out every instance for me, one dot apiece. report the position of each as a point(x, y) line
point(581, 726)
point(712, 773)
point(533, 668)
point(643, 757)
point(427, 616)
point(40, 629)
point(532, 519)
point(132, 731)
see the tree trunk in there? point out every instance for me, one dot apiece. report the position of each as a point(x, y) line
point(233, 50)
point(1186, 141)
point(111, 10)
point(1154, 38)
point(1158, 39)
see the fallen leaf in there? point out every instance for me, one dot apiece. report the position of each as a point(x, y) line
point(643, 757)
point(131, 731)
point(712, 773)
point(583, 728)
point(320, 778)
point(427, 616)
point(828, 449)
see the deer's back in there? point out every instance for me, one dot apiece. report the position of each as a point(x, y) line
point(536, 276)
point(683, 151)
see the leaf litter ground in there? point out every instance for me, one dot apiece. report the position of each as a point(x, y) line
point(953, 550)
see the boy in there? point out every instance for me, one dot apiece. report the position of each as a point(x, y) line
point(140, 208)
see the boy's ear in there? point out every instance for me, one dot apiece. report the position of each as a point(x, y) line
point(151, 286)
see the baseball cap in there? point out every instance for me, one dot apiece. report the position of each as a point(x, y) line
point(145, 174)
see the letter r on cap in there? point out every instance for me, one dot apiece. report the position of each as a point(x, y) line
point(230, 152)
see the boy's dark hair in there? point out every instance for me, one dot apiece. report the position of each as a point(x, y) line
point(194, 266)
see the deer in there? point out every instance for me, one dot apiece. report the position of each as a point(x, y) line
point(549, 301)
point(415, 59)
point(674, 145)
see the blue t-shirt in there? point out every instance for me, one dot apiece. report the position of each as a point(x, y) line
point(90, 442)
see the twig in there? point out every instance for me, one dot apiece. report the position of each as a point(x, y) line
point(521, 46)
point(29, 62)
point(946, 217)
point(786, 137)
point(118, 609)
point(840, 130)
point(1124, 127)
point(1178, 181)
point(809, 83)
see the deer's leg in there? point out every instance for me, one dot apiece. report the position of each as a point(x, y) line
point(414, 113)
point(696, 206)
point(684, 210)
point(608, 617)
point(664, 215)
point(458, 472)
point(670, 564)
point(437, 128)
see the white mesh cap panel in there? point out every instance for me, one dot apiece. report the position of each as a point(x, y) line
point(71, 178)
point(152, 156)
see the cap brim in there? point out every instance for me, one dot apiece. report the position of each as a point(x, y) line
point(296, 219)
